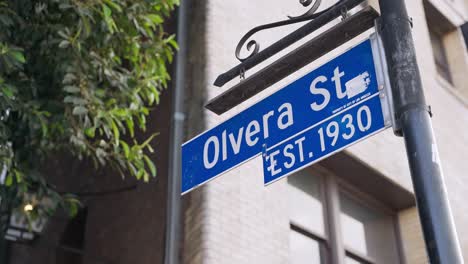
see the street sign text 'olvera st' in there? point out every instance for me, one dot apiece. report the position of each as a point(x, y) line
point(324, 111)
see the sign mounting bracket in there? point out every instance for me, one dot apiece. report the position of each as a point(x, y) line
point(296, 59)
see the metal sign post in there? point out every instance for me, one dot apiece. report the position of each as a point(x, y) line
point(413, 119)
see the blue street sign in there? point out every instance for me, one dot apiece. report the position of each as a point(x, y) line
point(324, 139)
point(329, 91)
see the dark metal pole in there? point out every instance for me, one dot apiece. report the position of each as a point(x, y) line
point(413, 118)
point(173, 222)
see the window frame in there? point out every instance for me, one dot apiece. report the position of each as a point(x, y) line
point(358, 257)
point(441, 62)
point(370, 202)
point(322, 241)
point(450, 34)
point(333, 245)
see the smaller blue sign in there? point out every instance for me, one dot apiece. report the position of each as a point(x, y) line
point(324, 139)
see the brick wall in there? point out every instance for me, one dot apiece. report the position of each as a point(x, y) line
point(412, 237)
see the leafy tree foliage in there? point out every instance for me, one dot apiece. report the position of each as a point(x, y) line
point(78, 75)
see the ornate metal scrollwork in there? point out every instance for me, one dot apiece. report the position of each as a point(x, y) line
point(254, 47)
point(311, 11)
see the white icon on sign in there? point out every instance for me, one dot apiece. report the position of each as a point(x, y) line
point(357, 85)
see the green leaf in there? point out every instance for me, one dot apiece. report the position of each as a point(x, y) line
point(140, 174)
point(173, 42)
point(74, 100)
point(107, 11)
point(9, 180)
point(44, 128)
point(18, 176)
point(149, 140)
point(101, 155)
point(113, 5)
point(64, 44)
point(125, 149)
point(69, 99)
point(64, 6)
point(130, 126)
point(116, 132)
point(80, 110)
point(150, 165)
point(62, 34)
point(18, 56)
point(151, 150)
point(69, 78)
point(155, 18)
point(100, 92)
point(7, 91)
point(79, 101)
point(108, 18)
point(72, 209)
point(72, 198)
point(86, 25)
point(151, 99)
point(90, 132)
point(71, 89)
point(120, 112)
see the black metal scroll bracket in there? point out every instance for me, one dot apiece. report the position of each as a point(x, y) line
point(309, 15)
point(256, 56)
point(313, 49)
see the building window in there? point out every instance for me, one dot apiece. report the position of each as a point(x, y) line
point(305, 248)
point(439, 27)
point(464, 30)
point(440, 55)
point(329, 221)
point(368, 233)
point(308, 237)
point(71, 248)
point(449, 51)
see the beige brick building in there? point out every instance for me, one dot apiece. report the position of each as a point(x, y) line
point(359, 202)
